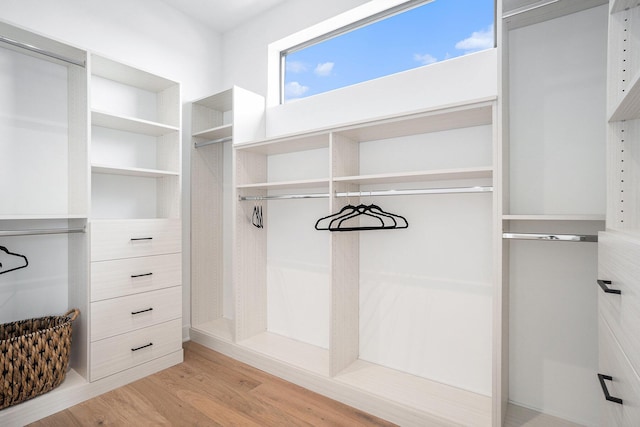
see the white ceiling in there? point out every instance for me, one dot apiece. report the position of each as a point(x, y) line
point(223, 15)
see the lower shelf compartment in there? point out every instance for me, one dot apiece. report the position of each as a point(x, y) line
point(401, 398)
point(221, 328)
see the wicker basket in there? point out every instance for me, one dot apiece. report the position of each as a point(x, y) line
point(34, 356)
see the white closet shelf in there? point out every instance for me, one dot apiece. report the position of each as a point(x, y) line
point(620, 5)
point(450, 117)
point(128, 75)
point(296, 353)
point(130, 124)
point(222, 101)
point(146, 173)
point(576, 217)
point(283, 185)
point(629, 106)
point(41, 216)
point(215, 132)
point(460, 406)
point(434, 175)
point(287, 144)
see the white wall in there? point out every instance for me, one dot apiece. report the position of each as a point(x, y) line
point(147, 34)
point(244, 49)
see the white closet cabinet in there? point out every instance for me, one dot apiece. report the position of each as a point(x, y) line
point(619, 246)
point(357, 315)
point(233, 115)
point(136, 290)
point(554, 82)
point(92, 145)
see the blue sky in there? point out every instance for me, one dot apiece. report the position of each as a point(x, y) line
point(429, 33)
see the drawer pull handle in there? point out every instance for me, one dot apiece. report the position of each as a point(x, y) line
point(133, 313)
point(606, 391)
point(133, 276)
point(141, 347)
point(135, 239)
point(603, 284)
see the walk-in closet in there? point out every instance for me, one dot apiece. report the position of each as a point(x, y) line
point(454, 244)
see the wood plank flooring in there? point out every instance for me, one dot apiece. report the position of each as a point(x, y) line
point(209, 389)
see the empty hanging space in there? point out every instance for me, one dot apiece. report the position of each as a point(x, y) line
point(283, 275)
point(554, 209)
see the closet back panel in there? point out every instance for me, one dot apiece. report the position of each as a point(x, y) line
point(34, 134)
point(557, 115)
point(121, 197)
point(298, 276)
point(122, 149)
point(121, 99)
point(426, 291)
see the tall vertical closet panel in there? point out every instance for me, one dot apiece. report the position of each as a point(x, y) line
point(619, 245)
point(556, 174)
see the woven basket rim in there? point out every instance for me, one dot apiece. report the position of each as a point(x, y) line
point(71, 315)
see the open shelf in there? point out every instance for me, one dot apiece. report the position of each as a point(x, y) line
point(306, 183)
point(215, 132)
point(457, 405)
point(301, 355)
point(130, 124)
point(288, 144)
point(220, 328)
point(435, 175)
point(127, 75)
point(577, 217)
point(146, 173)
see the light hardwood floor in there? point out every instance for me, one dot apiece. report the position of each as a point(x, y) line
point(209, 389)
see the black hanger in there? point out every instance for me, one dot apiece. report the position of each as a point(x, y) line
point(256, 217)
point(387, 221)
point(14, 258)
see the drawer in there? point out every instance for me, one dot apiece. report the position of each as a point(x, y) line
point(624, 383)
point(120, 315)
point(120, 239)
point(618, 262)
point(122, 352)
point(116, 278)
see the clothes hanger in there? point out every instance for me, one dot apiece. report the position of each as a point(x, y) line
point(387, 221)
point(14, 259)
point(256, 217)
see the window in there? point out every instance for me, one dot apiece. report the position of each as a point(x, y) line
point(413, 34)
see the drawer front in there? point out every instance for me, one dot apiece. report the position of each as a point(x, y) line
point(624, 384)
point(120, 315)
point(120, 239)
point(618, 262)
point(122, 352)
point(116, 278)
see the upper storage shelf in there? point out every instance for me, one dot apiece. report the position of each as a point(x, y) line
point(129, 93)
point(128, 124)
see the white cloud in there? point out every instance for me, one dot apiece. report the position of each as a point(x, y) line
point(297, 66)
point(324, 69)
point(424, 59)
point(478, 40)
point(295, 90)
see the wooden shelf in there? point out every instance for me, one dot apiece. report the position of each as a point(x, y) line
point(620, 5)
point(306, 183)
point(460, 406)
point(577, 217)
point(128, 75)
point(222, 101)
point(301, 355)
point(629, 106)
point(145, 173)
point(215, 132)
point(435, 175)
point(130, 124)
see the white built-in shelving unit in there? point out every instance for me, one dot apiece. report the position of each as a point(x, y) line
point(92, 187)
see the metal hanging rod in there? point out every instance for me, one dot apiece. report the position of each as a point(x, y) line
point(7, 233)
point(371, 193)
point(215, 141)
point(41, 51)
point(552, 237)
